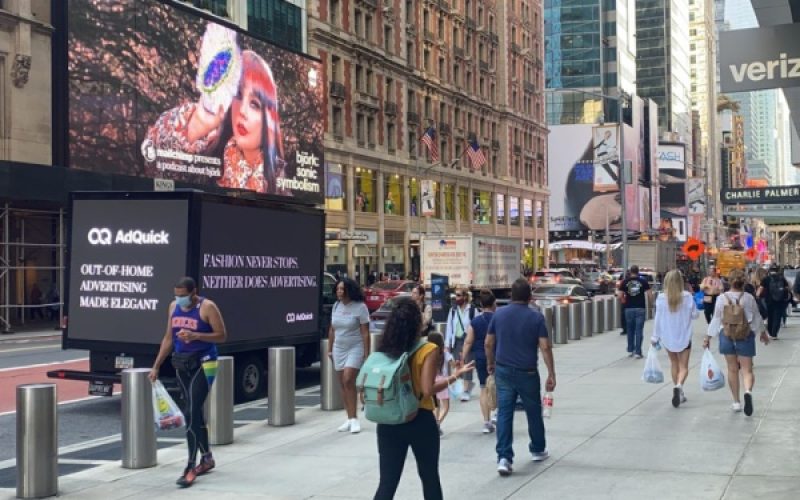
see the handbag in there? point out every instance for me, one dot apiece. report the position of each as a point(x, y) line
point(186, 361)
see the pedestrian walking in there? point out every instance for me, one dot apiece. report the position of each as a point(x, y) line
point(675, 311)
point(751, 287)
point(459, 318)
point(418, 296)
point(401, 335)
point(711, 286)
point(445, 367)
point(475, 348)
point(194, 329)
point(348, 345)
point(775, 291)
point(514, 338)
point(632, 292)
point(736, 321)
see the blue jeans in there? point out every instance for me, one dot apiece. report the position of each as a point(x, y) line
point(634, 326)
point(512, 382)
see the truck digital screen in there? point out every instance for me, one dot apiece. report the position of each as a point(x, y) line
point(125, 257)
point(262, 267)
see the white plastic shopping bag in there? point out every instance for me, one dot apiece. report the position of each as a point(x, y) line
point(652, 368)
point(165, 411)
point(456, 389)
point(711, 376)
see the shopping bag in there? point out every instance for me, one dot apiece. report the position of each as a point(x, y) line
point(652, 368)
point(698, 300)
point(711, 376)
point(456, 389)
point(491, 392)
point(165, 410)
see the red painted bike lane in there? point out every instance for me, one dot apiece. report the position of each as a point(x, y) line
point(67, 390)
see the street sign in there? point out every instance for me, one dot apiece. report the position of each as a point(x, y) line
point(707, 226)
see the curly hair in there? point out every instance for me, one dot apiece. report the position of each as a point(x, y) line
point(402, 328)
point(351, 289)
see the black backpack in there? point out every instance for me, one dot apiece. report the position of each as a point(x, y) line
point(777, 289)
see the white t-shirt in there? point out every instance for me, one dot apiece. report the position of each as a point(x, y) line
point(347, 319)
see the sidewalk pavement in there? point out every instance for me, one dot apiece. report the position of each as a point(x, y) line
point(611, 436)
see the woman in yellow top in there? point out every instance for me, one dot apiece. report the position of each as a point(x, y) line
point(401, 334)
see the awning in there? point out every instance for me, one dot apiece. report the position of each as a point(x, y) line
point(581, 245)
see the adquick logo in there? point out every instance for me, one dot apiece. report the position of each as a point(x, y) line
point(105, 236)
point(756, 71)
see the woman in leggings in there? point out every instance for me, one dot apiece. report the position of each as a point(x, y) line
point(401, 334)
point(194, 329)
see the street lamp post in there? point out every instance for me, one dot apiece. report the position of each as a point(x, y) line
point(621, 177)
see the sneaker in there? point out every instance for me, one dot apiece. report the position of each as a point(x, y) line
point(639, 356)
point(504, 467)
point(748, 404)
point(206, 464)
point(345, 427)
point(187, 478)
point(540, 456)
point(488, 428)
point(676, 397)
point(736, 407)
point(630, 354)
point(465, 397)
point(683, 397)
point(355, 426)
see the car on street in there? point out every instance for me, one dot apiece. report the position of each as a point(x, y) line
point(598, 283)
point(551, 294)
point(379, 292)
point(551, 276)
point(377, 320)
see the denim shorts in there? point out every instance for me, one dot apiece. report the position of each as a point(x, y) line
point(745, 348)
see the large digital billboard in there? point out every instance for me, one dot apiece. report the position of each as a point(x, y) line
point(157, 91)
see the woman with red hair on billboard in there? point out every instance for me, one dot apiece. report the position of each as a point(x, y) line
point(235, 120)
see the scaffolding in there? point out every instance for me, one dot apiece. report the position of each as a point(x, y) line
point(32, 245)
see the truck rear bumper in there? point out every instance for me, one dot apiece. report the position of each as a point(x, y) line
point(109, 378)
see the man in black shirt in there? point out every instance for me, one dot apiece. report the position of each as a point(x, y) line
point(632, 292)
point(775, 290)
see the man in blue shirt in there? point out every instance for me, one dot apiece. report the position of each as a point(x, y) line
point(516, 333)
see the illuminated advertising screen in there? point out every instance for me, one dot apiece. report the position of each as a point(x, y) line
point(157, 91)
point(125, 257)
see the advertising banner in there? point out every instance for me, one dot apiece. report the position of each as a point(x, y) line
point(334, 181)
point(156, 91)
point(655, 190)
point(605, 157)
point(671, 162)
point(451, 257)
point(696, 196)
point(497, 261)
point(428, 198)
point(759, 58)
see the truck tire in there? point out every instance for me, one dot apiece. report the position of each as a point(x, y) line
point(250, 377)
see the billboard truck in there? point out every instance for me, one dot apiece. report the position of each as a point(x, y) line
point(654, 255)
point(473, 261)
point(259, 261)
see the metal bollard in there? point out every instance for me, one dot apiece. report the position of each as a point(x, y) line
point(138, 429)
point(598, 316)
point(609, 303)
point(617, 322)
point(561, 321)
point(37, 441)
point(587, 309)
point(549, 322)
point(281, 386)
point(575, 321)
point(330, 390)
point(375, 339)
point(219, 404)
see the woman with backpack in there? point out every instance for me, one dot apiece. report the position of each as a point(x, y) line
point(348, 345)
point(675, 312)
point(400, 336)
point(474, 349)
point(445, 367)
point(736, 319)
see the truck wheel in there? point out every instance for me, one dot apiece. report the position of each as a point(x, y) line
point(251, 378)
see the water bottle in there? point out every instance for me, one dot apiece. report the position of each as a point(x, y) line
point(547, 404)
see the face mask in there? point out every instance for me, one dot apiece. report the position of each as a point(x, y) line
point(184, 301)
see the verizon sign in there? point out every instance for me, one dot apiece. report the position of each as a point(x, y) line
point(759, 58)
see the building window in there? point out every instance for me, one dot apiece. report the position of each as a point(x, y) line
point(387, 39)
point(440, 31)
point(393, 194)
point(333, 12)
point(409, 11)
point(361, 133)
point(481, 207)
point(368, 27)
point(501, 209)
point(336, 69)
point(527, 212)
point(365, 190)
point(449, 202)
point(412, 144)
point(359, 78)
point(442, 70)
point(370, 83)
point(426, 59)
point(390, 137)
point(371, 132)
point(413, 188)
point(335, 187)
point(437, 196)
point(358, 23)
point(463, 204)
point(336, 122)
point(513, 210)
point(278, 21)
point(388, 89)
point(539, 215)
point(410, 59)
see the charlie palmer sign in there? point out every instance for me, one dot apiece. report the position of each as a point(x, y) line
point(759, 58)
point(757, 196)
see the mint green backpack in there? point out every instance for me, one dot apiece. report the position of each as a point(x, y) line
point(386, 388)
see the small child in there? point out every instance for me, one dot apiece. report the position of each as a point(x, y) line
point(445, 365)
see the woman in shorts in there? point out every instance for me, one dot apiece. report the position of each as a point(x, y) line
point(738, 353)
point(348, 345)
point(675, 312)
point(474, 346)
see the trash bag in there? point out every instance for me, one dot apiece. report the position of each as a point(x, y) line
point(711, 376)
point(165, 411)
point(698, 300)
point(456, 389)
point(652, 368)
point(491, 392)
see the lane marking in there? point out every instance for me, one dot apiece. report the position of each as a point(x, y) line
point(34, 348)
point(39, 365)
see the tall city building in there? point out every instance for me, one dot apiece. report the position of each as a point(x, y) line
point(470, 72)
point(662, 63)
point(590, 47)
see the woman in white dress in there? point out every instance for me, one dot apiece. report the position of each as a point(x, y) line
point(675, 311)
